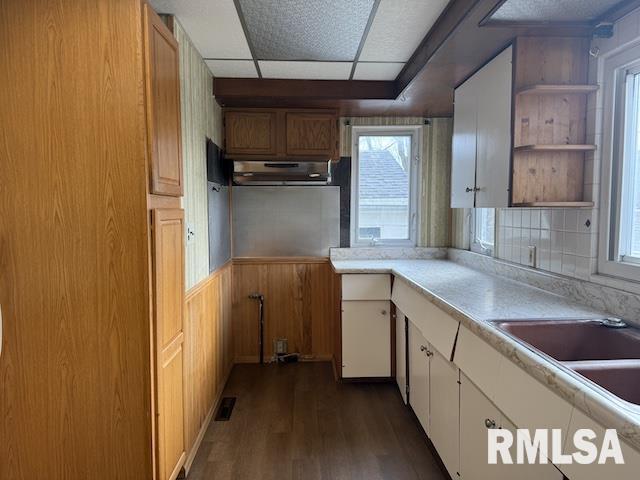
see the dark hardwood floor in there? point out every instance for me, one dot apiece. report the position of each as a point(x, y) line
point(295, 422)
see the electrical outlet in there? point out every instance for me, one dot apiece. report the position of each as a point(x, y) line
point(532, 256)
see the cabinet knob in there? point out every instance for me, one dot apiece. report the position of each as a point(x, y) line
point(491, 424)
point(383, 312)
point(429, 353)
point(423, 348)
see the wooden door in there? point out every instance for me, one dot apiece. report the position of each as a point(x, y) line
point(493, 158)
point(251, 133)
point(168, 295)
point(419, 375)
point(401, 353)
point(444, 413)
point(311, 134)
point(163, 106)
point(366, 339)
point(463, 151)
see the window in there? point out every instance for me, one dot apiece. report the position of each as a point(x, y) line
point(483, 230)
point(385, 186)
point(619, 253)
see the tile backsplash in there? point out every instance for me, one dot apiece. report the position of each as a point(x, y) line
point(565, 240)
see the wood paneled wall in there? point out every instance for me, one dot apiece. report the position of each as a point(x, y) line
point(75, 394)
point(208, 352)
point(299, 306)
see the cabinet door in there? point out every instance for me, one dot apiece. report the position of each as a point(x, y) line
point(493, 159)
point(168, 296)
point(463, 150)
point(401, 353)
point(251, 133)
point(444, 414)
point(419, 375)
point(311, 134)
point(163, 106)
point(366, 339)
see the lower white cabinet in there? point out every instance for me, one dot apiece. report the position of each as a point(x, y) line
point(477, 414)
point(419, 375)
point(366, 339)
point(444, 414)
point(401, 353)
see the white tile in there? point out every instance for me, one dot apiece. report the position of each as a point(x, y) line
point(306, 70)
point(570, 244)
point(377, 71)
point(584, 218)
point(516, 218)
point(526, 218)
point(213, 26)
point(535, 219)
point(582, 267)
point(398, 28)
point(557, 219)
point(556, 262)
point(557, 240)
point(508, 218)
point(568, 265)
point(545, 219)
point(571, 220)
point(583, 244)
point(232, 68)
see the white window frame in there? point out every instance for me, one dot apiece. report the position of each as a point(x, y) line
point(474, 244)
point(414, 187)
point(613, 70)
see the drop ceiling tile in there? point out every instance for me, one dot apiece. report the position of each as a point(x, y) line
point(306, 29)
point(398, 28)
point(213, 26)
point(377, 71)
point(232, 68)
point(306, 70)
point(552, 10)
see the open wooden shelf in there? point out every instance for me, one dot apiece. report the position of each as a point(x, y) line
point(554, 204)
point(556, 89)
point(554, 148)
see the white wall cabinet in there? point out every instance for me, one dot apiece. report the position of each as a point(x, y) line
point(366, 339)
point(401, 353)
point(481, 149)
point(419, 375)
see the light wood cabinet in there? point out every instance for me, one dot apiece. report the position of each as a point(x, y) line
point(162, 85)
point(419, 375)
point(168, 286)
point(366, 339)
point(281, 134)
point(251, 133)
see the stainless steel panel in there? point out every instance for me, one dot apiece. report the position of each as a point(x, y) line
point(285, 221)
point(281, 173)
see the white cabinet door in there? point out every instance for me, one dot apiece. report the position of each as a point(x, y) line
point(366, 339)
point(493, 148)
point(475, 410)
point(445, 410)
point(401, 354)
point(463, 149)
point(419, 376)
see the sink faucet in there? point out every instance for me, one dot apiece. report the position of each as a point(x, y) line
point(612, 322)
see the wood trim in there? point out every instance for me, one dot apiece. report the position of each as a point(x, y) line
point(202, 284)
point(556, 89)
point(554, 148)
point(269, 260)
point(306, 89)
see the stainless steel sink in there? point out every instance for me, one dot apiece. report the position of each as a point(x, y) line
point(608, 357)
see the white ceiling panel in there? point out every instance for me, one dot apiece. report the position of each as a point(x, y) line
point(377, 71)
point(306, 70)
point(398, 28)
point(232, 68)
point(213, 26)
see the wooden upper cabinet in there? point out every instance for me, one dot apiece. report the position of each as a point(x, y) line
point(311, 134)
point(275, 133)
point(251, 133)
point(163, 106)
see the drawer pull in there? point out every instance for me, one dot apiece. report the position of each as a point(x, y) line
point(490, 424)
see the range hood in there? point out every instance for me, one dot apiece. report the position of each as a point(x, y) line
point(281, 173)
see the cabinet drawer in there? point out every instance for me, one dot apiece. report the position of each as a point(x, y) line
point(366, 339)
point(575, 471)
point(479, 361)
point(366, 287)
point(527, 402)
point(437, 327)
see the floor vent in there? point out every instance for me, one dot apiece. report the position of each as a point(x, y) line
point(225, 409)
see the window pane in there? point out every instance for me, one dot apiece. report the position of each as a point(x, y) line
point(634, 173)
point(484, 227)
point(383, 187)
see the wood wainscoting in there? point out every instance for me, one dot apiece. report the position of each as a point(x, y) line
point(299, 305)
point(208, 353)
